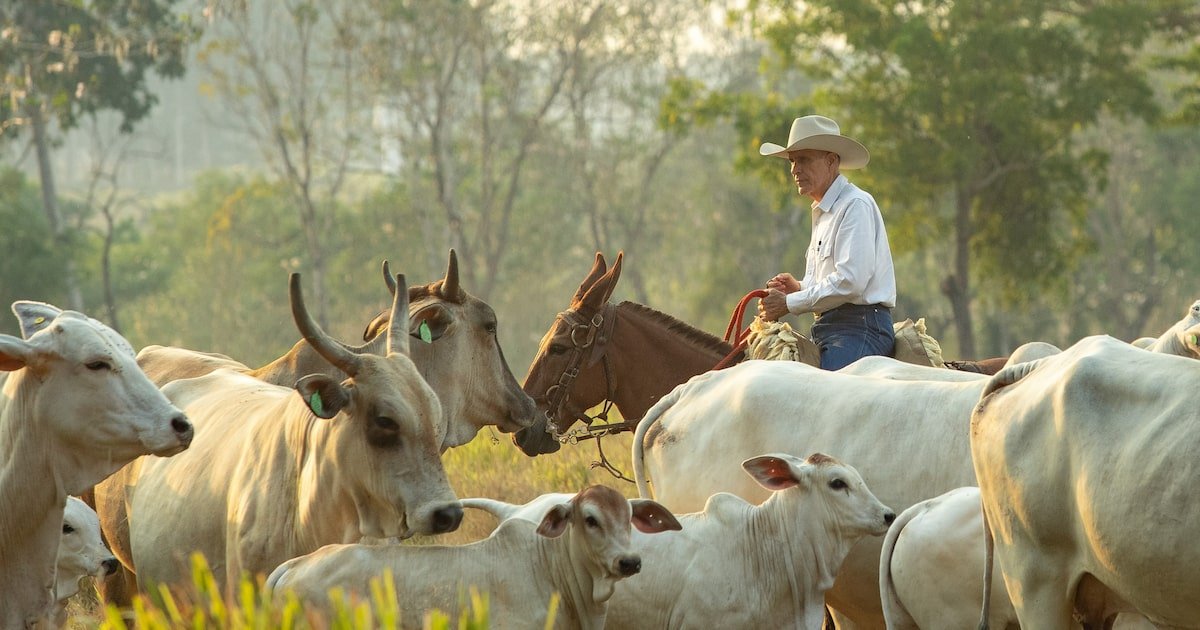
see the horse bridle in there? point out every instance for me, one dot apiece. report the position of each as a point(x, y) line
point(588, 338)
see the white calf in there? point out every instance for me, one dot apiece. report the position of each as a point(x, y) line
point(517, 567)
point(738, 565)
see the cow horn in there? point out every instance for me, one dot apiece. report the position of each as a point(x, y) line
point(397, 339)
point(387, 277)
point(334, 352)
point(450, 289)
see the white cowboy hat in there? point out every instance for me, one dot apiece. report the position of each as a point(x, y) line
point(821, 133)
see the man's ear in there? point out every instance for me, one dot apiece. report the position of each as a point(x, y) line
point(324, 396)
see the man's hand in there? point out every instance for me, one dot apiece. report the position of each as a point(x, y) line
point(785, 282)
point(774, 305)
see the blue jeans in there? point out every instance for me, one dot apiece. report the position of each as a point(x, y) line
point(850, 332)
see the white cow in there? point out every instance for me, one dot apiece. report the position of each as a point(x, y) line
point(1086, 463)
point(908, 439)
point(737, 565)
point(887, 367)
point(931, 567)
point(1182, 339)
point(81, 553)
point(931, 570)
point(75, 408)
point(278, 472)
point(520, 565)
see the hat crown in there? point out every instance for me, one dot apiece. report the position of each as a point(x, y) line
point(813, 125)
point(821, 134)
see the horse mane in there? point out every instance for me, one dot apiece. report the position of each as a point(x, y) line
point(687, 331)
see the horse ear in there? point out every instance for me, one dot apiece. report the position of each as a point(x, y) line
point(614, 274)
point(597, 296)
point(598, 269)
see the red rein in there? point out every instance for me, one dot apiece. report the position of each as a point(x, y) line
point(735, 323)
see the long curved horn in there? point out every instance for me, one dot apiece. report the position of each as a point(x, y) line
point(450, 289)
point(387, 277)
point(397, 340)
point(334, 352)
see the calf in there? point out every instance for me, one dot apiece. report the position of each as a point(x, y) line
point(81, 553)
point(581, 550)
point(738, 565)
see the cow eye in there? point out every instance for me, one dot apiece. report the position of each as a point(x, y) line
point(67, 529)
point(96, 366)
point(383, 432)
point(385, 424)
point(491, 327)
point(838, 484)
point(591, 522)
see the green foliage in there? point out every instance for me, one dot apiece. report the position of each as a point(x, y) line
point(28, 268)
point(75, 56)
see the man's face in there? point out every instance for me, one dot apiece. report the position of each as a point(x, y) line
point(813, 171)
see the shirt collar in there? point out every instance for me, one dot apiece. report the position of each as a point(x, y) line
point(831, 195)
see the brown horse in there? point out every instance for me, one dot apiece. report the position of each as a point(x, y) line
point(627, 353)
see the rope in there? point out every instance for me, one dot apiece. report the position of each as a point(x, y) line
point(735, 322)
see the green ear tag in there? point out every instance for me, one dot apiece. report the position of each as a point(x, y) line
point(1192, 339)
point(39, 320)
point(426, 334)
point(314, 402)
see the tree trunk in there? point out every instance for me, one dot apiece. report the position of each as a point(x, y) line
point(50, 203)
point(957, 286)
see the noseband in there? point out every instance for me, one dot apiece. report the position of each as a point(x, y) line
point(588, 338)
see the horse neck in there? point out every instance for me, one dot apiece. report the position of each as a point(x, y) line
point(649, 359)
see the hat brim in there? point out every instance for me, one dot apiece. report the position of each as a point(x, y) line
point(853, 154)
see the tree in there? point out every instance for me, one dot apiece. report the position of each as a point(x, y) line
point(65, 58)
point(288, 72)
point(971, 111)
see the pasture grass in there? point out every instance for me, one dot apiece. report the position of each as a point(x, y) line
point(489, 466)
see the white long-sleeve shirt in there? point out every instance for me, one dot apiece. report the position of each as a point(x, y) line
point(848, 259)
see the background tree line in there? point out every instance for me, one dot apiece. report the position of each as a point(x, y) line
point(1034, 159)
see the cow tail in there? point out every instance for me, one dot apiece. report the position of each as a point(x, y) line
point(989, 550)
point(894, 612)
point(639, 448)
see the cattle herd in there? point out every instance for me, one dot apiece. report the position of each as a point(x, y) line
point(1056, 493)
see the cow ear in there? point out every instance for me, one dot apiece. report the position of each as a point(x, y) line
point(556, 520)
point(1191, 339)
point(14, 353)
point(772, 472)
point(324, 396)
point(430, 323)
point(651, 517)
point(377, 325)
point(34, 316)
